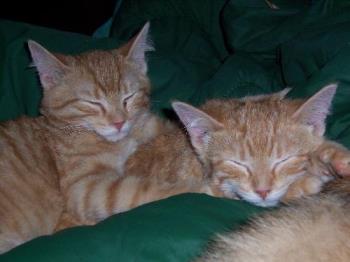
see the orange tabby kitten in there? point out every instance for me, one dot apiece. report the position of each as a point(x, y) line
point(93, 100)
point(311, 229)
point(263, 149)
point(94, 114)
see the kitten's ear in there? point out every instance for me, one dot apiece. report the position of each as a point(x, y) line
point(137, 47)
point(51, 70)
point(198, 124)
point(315, 110)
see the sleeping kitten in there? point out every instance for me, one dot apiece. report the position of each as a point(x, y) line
point(94, 115)
point(263, 149)
point(312, 229)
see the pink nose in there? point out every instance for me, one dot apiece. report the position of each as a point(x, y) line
point(119, 125)
point(262, 192)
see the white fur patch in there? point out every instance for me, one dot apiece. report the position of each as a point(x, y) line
point(112, 134)
point(232, 188)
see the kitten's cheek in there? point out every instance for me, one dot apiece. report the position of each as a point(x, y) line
point(305, 186)
point(292, 170)
point(114, 137)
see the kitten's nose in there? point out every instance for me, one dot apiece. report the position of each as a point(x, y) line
point(263, 192)
point(119, 125)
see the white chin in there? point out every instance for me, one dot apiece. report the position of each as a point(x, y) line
point(265, 203)
point(252, 198)
point(115, 137)
point(112, 136)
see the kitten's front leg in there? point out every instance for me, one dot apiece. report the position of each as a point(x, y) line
point(335, 156)
point(329, 160)
point(307, 185)
point(66, 221)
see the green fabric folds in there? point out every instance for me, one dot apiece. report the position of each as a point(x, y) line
point(175, 229)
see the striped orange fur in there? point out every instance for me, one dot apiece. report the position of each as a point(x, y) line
point(266, 149)
point(281, 150)
point(94, 115)
point(97, 150)
point(30, 201)
point(311, 229)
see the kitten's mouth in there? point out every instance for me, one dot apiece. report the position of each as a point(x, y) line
point(257, 201)
point(112, 135)
point(265, 203)
point(115, 137)
point(109, 133)
point(270, 203)
point(231, 190)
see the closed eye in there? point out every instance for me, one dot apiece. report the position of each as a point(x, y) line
point(290, 165)
point(294, 159)
point(95, 103)
point(127, 98)
point(237, 164)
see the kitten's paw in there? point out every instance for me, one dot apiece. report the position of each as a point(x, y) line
point(341, 163)
point(338, 157)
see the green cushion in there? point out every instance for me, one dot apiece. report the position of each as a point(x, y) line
point(188, 41)
point(174, 229)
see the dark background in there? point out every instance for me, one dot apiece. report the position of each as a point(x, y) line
point(74, 16)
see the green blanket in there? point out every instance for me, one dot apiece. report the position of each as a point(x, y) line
point(175, 229)
point(204, 49)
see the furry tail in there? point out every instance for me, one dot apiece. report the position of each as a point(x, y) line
point(312, 229)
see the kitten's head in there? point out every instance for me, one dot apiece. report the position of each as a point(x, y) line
point(103, 91)
point(257, 146)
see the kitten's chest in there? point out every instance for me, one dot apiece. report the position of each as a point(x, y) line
point(86, 150)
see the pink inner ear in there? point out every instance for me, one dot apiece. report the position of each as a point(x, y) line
point(315, 110)
point(140, 45)
point(197, 134)
point(197, 123)
point(50, 68)
point(47, 79)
